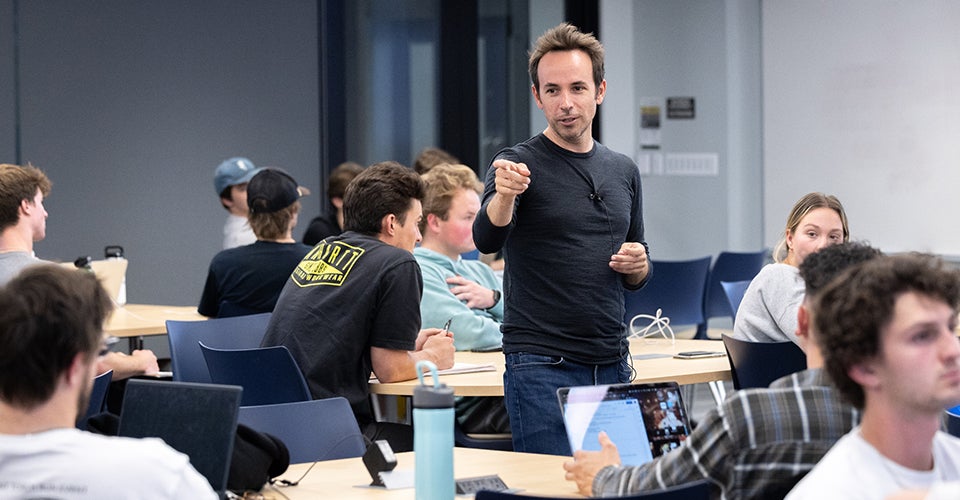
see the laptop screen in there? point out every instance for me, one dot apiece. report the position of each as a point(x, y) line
point(199, 420)
point(643, 420)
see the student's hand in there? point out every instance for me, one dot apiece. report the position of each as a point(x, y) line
point(146, 360)
point(439, 349)
point(631, 261)
point(586, 464)
point(424, 335)
point(475, 295)
point(511, 178)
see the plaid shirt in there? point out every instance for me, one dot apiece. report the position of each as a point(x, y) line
point(757, 444)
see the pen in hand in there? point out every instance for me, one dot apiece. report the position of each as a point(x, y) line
point(446, 327)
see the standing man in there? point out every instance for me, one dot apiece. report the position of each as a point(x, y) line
point(230, 181)
point(352, 305)
point(568, 213)
point(23, 221)
point(887, 330)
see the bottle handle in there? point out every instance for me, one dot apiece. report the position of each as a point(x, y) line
point(423, 363)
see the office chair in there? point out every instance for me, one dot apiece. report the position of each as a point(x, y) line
point(676, 288)
point(696, 490)
point(98, 397)
point(503, 442)
point(268, 375)
point(729, 266)
point(952, 424)
point(757, 364)
point(320, 429)
point(186, 359)
point(734, 291)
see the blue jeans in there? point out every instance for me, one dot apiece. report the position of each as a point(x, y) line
point(530, 387)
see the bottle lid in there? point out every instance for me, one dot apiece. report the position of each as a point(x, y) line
point(437, 395)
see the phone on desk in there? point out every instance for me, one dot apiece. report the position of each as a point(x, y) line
point(699, 354)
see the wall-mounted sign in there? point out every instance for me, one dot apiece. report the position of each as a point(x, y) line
point(681, 108)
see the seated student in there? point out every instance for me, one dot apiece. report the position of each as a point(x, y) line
point(230, 181)
point(430, 157)
point(352, 305)
point(250, 277)
point(888, 332)
point(330, 223)
point(23, 221)
point(51, 326)
point(759, 442)
point(465, 292)
point(768, 311)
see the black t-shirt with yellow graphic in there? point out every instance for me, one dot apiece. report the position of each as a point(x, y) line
point(349, 293)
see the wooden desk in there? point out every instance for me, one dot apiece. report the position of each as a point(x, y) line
point(136, 320)
point(660, 369)
point(534, 474)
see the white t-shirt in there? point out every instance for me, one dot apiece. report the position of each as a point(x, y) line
point(237, 232)
point(71, 464)
point(854, 469)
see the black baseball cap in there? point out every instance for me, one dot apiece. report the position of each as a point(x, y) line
point(271, 190)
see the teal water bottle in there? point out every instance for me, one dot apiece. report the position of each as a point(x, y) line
point(433, 437)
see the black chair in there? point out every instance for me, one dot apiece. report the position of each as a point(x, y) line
point(729, 266)
point(186, 359)
point(952, 424)
point(734, 291)
point(676, 288)
point(757, 364)
point(503, 442)
point(98, 397)
point(697, 490)
point(268, 375)
point(321, 429)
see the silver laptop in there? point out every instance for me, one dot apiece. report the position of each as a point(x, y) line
point(643, 420)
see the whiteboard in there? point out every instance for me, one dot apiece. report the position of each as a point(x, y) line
point(861, 99)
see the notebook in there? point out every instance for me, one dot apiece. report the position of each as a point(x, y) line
point(110, 272)
point(643, 420)
point(199, 420)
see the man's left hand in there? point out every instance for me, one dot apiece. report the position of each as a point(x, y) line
point(631, 261)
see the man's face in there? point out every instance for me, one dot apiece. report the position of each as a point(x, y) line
point(918, 367)
point(456, 232)
point(237, 204)
point(37, 215)
point(407, 235)
point(568, 97)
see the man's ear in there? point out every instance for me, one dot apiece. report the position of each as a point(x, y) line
point(536, 96)
point(433, 222)
point(388, 225)
point(337, 201)
point(864, 373)
point(26, 206)
point(601, 91)
point(79, 370)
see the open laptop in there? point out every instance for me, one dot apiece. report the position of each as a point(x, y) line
point(199, 420)
point(643, 420)
point(110, 273)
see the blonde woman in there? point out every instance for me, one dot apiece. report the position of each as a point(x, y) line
point(768, 312)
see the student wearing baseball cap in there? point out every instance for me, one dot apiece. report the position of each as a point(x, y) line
point(248, 279)
point(230, 181)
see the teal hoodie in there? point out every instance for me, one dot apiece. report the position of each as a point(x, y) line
point(472, 328)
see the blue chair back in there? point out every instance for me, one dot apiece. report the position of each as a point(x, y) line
point(697, 490)
point(321, 429)
point(952, 424)
point(734, 291)
point(730, 266)
point(757, 364)
point(98, 396)
point(268, 375)
point(675, 287)
point(187, 361)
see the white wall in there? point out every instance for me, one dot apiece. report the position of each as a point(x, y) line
point(861, 101)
